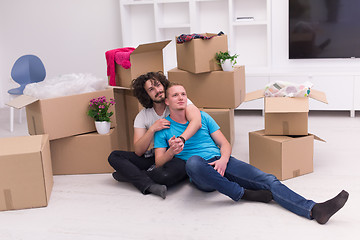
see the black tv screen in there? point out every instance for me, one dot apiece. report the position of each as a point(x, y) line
point(324, 29)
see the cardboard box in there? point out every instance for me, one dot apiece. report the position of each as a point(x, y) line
point(26, 178)
point(217, 89)
point(83, 154)
point(127, 107)
point(283, 156)
point(145, 58)
point(198, 55)
point(286, 115)
point(225, 119)
point(62, 116)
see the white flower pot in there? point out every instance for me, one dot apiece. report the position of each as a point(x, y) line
point(227, 65)
point(102, 127)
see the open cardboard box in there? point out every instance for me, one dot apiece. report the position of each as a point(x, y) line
point(83, 154)
point(286, 115)
point(217, 89)
point(145, 58)
point(26, 177)
point(283, 156)
point(61, 116)
point(198, 55)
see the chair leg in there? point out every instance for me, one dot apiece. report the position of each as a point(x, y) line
point(20, 115)
point(11, 119)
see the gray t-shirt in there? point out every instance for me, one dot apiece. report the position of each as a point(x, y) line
point(147, 117)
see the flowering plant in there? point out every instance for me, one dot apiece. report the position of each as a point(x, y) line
point(99, 108)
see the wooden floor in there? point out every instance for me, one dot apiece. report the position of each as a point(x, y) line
point(96, 207)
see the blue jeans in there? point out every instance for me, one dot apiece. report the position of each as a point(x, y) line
point(239, 176)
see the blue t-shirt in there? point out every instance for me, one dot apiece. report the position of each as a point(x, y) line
point(200, 144)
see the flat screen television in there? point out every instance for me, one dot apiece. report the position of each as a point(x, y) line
point(324, 29)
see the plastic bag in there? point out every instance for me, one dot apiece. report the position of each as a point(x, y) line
point(65, 85)
point(287, 89)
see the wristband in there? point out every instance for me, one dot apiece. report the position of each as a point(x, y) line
point(182, 139)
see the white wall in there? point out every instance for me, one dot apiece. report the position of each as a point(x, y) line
point(70, 36)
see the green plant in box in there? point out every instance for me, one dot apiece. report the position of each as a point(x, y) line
point(222, 56)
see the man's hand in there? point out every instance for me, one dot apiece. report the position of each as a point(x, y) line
point(176, 145)
point(160, 124)
point(220, 166)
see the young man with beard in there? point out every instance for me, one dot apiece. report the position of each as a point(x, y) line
point(138, 167)
point(211, 167)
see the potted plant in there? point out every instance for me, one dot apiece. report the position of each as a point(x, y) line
point(99, 111)
point(225, 60)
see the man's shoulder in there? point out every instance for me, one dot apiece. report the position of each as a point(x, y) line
point(204, 115)
point(146, 111)
point(142, 118)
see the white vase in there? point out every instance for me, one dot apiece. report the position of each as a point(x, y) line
point(102, 127)
point(227, 65)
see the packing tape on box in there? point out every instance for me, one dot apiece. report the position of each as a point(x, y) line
point(8, 199)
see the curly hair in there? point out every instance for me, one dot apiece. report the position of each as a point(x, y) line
point(139, 90)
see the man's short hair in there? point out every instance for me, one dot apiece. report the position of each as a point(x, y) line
point(139, 90)
point(172, 84)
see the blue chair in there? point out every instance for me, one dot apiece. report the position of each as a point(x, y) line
point(27, 69)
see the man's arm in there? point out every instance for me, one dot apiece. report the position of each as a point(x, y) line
point(225, 151)
point(143, 137)
point(163, 155)
point(194, 117)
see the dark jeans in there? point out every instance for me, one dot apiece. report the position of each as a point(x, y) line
point(133, 169)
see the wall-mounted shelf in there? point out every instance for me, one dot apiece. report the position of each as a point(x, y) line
point(158, 20)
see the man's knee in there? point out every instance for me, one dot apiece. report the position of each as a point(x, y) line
point(115, 156)
point(112, 157)
point(168, 178)
point(193, 164)
point(271, 181)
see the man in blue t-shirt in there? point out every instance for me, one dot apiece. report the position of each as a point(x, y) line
point(210, 165)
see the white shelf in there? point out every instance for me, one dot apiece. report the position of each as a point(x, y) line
point(208, 0)
point(161, 18)
point(254, 22)
point(174, 26)
point(132, 2)
point(172, 1)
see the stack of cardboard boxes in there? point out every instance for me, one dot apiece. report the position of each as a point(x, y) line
point(75, 146)
point(145, 58)
point(284, 148)
point(63, 141)
point(208, 87)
